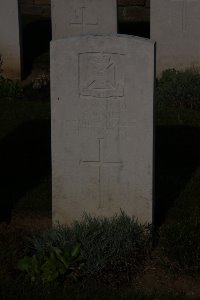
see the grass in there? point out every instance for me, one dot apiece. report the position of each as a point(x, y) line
point(26, 189)
point(114, 250)
point(178, 117)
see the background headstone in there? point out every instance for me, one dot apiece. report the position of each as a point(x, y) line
point(10, 38)
point(102, 126)
point(175, 26)
point(76, 17)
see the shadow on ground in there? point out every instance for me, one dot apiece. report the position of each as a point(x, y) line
point(177, 155)
point(137, 29)
point(25, 159)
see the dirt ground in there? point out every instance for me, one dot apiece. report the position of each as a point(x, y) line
point(158, 278)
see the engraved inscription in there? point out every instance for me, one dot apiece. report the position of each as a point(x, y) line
point(109, 121)
point(109, 115)
point(117, 116)
point(100, 163)
point(101, 75)
point(83, 15)
point(112, 119)
point(184, 13)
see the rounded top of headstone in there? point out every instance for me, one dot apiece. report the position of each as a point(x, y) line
point(77, 17)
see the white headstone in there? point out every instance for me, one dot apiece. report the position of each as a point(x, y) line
point(76, 17)
point(10, 38)
point(102, 126)
point(175, 27)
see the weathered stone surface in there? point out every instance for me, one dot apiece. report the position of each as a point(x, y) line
point(102, 126)
point(10, 38)
point(175, 27)
point(76, 17)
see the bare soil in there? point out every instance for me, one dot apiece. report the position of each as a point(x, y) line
point(157, 277)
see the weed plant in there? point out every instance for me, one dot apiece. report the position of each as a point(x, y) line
point(58, 264)
point(109, 247)
point(10, 88)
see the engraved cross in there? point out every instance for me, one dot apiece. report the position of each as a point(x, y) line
point(184, 12)
point(83, 18)
point(100, 163)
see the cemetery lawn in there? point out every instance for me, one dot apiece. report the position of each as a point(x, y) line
point(26, 203)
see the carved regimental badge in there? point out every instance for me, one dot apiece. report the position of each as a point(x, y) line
point(101, 75)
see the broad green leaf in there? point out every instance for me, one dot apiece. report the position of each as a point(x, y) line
point(25, 263)
point(76, 251)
